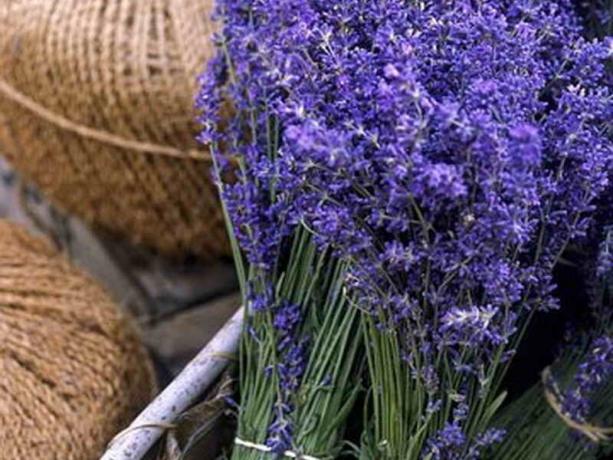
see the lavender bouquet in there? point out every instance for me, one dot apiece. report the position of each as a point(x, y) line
point(569, 414)
point(299, 363)
point(422, 165)
point(579, 386)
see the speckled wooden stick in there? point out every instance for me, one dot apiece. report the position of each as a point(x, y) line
point(134, 442)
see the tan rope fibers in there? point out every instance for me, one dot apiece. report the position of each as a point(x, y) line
point(96, 108)
point(72, 371)
point(592, 432)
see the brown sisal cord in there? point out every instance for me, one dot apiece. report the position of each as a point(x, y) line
point(72, 369)
point(97, 110)
point(594, 433)
point(96, 134)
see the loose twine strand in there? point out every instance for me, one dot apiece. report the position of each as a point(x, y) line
point(97, 134)
point(595, 433)
point(267, 449)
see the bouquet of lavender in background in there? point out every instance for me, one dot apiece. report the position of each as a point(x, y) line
point(569, 415)
point(433, 160)
point(578, 388)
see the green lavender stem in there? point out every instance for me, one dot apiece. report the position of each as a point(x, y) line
point(329, 386)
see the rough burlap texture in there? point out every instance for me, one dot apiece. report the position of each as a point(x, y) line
point(72, 370)
point(96, 108)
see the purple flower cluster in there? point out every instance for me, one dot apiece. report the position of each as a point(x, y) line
point(291, 349)
point(450, 443)
point(448, 151)
point(596, 264)
point(593, 372)
point(466, 326)
point(596, 368)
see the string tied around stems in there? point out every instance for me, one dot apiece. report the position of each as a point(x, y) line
point(267, 449)
point(595, 433)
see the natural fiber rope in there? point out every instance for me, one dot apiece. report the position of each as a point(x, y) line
point(97, 110)
point(266, 449)
point(594, 433)
point(96, 134)
point(72, 370)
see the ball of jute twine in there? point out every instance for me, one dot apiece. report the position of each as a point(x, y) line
point(96, 108)
point(72, 370)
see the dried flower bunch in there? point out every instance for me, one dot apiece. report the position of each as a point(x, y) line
point(579, 383)
point(444, 154)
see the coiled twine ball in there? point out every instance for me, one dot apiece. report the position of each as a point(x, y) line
point(72, 370)
point(103, 91)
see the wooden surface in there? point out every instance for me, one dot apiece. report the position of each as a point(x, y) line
point(179, 337)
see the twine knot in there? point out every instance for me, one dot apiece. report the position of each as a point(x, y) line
point(595, 433)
